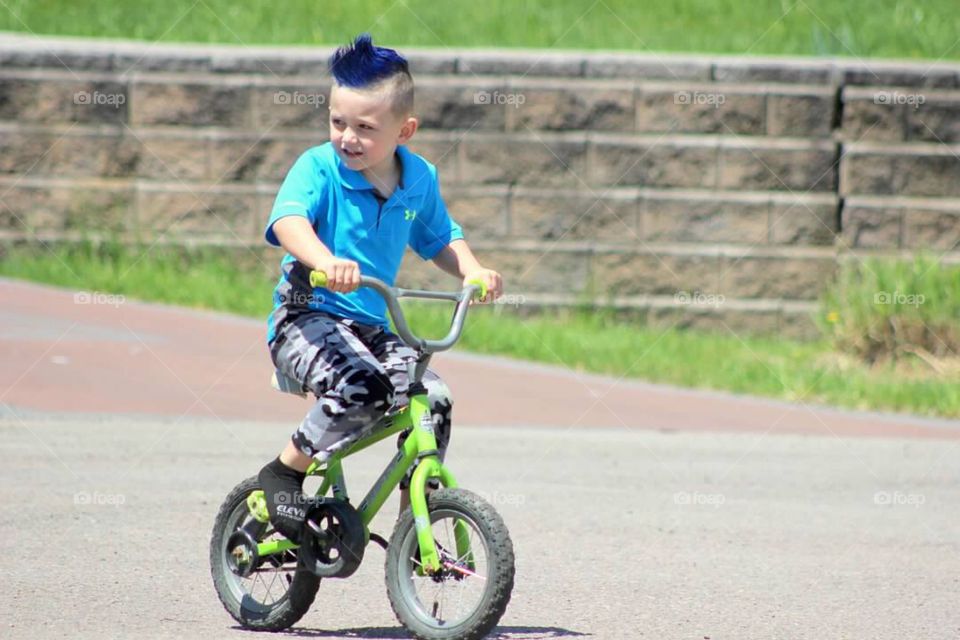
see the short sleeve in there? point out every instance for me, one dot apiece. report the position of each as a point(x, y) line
point(301, 194)
point(433, 228)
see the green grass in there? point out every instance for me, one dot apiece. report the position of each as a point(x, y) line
point(855, 28)
point(881, 309)
point(578, 339)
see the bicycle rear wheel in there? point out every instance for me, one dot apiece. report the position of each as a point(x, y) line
point(275, 594)
point(467, 598)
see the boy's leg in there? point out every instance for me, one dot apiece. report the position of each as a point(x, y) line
point(294, 458)
point(353, 392)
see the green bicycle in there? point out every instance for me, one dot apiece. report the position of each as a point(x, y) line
point(449, 561)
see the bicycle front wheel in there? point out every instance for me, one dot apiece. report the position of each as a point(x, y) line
point(466, 599)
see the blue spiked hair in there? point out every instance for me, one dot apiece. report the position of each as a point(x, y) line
point(362, 64)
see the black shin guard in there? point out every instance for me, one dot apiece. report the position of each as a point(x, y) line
point(283, 489)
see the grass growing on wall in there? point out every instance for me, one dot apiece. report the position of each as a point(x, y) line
point(890, 309)
point(852, 28)
point(595, 341)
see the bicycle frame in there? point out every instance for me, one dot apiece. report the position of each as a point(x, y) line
point(420, 444)
point(420, 447)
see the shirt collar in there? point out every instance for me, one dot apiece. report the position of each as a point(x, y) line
point(355, 179)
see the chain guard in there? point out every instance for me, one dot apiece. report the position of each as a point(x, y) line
point(333, 539)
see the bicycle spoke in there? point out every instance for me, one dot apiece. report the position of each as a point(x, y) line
point(270, 588)
point(443, 592)
point(253, 584)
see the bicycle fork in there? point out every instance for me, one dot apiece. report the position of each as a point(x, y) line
point(424, 440)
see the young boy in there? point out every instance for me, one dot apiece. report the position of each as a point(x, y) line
point(347, 207)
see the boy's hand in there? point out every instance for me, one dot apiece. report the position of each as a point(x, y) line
point(343, 276)
point(489, 277)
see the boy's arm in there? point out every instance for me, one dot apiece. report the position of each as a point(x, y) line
point(298, 238)
point(458, 260)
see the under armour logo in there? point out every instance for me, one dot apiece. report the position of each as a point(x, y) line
point(409, 214)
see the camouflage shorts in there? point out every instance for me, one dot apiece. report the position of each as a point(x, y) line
point(358, 373)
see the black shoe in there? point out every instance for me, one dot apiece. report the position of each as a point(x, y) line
point(286, 503)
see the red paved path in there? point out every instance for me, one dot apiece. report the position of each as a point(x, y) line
point(62, 351)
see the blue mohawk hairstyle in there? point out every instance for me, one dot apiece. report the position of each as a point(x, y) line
point(362, 63)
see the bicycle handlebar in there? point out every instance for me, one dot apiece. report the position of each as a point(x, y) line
point(392, 297)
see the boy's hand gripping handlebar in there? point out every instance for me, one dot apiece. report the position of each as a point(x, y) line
point(392, 296)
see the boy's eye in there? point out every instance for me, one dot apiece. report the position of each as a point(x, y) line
point(366, 126)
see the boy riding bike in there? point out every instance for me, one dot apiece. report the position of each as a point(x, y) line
point(346, 208)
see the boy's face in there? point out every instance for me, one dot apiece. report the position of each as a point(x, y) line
point(363, 128)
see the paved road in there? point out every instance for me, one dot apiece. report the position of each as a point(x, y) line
point(619, 533)
point(638, 511)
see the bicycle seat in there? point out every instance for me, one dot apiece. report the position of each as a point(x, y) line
point(282, 382)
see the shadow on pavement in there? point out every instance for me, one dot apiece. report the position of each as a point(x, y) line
point(529, 633)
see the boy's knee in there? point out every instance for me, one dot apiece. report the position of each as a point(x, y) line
point(441, 406)
point(438, 394)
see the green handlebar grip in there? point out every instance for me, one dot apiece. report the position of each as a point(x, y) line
point(479, 283)
point(318, 279)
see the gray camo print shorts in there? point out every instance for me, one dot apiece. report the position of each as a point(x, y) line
point(358, 373)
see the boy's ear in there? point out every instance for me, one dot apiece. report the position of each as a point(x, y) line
point(410, 126)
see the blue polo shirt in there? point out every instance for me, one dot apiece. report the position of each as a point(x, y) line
point(355, 224)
